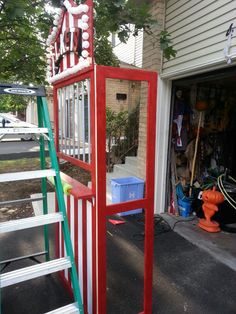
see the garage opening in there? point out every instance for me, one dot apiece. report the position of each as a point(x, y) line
point(203, 144)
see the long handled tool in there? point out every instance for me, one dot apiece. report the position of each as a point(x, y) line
point(195, 154)
point(200, 106)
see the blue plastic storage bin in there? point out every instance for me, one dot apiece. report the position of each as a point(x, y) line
point(184, 207)
point(127, 189)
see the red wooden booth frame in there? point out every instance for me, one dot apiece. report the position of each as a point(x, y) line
point(98, 75)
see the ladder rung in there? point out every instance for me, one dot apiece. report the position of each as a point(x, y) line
point(26, 175)
point(22, 200)
point(15, 259)
point(13, 131)
point(68, 309)
point(34, 271)
point(26, 223)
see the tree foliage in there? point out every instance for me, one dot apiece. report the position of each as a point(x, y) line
point(114, 121)
point(103, 52)
point(24, 27)
point(11, 103)
point(23, 30)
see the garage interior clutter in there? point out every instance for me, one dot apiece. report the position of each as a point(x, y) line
point(202, 144)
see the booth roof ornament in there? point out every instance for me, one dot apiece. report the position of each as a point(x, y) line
point(69, 43)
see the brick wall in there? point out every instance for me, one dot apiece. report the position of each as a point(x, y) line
point(151, 45)
point(130, 88)
point(151, 61)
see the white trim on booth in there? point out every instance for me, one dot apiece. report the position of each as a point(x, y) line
point(162, 141)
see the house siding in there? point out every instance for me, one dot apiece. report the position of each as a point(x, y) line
point(197, 30)
point(132, 51)
point(138, 50)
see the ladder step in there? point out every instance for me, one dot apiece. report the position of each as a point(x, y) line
point(26, 223)
point(34, 271)
point(22, 200)
point(26, 175)
point(13, 131)
point(68, 309)
point(30, 256)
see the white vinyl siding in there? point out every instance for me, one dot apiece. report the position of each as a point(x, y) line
point(197, 30)
point(138, 50)
point(130, 52)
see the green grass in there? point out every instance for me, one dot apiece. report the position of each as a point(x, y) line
point(19, 164)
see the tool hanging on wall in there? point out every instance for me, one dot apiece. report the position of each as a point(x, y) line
point(201, 106)
point(229, 35)
point(174, 182)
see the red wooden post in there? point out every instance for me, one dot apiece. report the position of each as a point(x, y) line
point(97, 75)
point(100, 125)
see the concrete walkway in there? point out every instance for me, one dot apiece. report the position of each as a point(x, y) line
point(220, 245)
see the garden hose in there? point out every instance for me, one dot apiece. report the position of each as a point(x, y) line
point(228, 198)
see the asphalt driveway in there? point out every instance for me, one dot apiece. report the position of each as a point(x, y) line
point(15, 149)
point(186, 278)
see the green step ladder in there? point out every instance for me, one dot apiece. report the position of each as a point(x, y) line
point(45, 134)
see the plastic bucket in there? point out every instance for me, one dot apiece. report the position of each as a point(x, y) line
point(184, 207)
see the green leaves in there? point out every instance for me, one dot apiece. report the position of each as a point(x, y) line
point(166, 45)
point(103, 52)
point(24, 27)
point(115, 121)
point(12, 103)
point(116, 16)
point(22, 37)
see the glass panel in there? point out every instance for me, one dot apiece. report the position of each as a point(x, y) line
point(126, 115)
point(74, 120)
